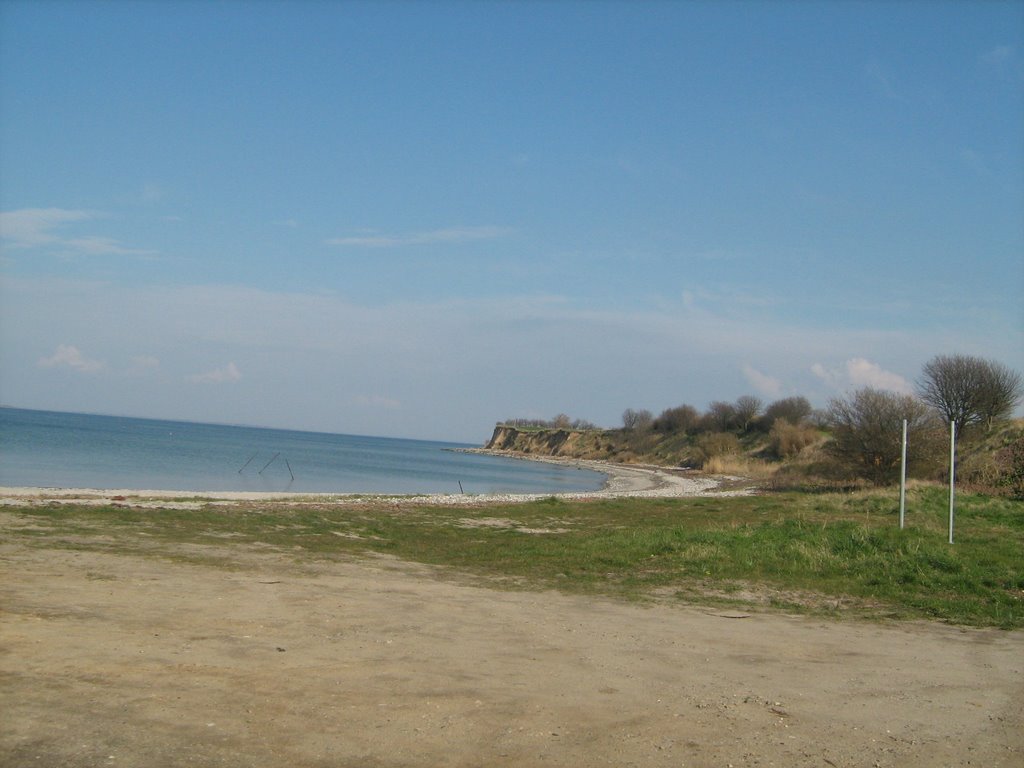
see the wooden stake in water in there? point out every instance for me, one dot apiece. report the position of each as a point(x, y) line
point(270, 462)
point(247, 463)
point(952, 474)
point(903, 475)
point(289, 468)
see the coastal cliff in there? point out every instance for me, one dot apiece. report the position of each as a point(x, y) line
point(571, 443)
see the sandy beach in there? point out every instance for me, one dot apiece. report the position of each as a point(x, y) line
point(152, 662)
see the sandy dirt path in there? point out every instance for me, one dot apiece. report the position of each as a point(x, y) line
point(119, 660)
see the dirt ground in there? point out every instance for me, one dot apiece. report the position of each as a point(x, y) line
point(117, 660)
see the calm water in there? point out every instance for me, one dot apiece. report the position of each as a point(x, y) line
point(70, 450)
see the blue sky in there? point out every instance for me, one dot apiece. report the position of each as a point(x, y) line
point(416, 219)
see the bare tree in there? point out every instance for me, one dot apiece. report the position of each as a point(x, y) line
point(970, 390)
point(683, 418)
point(639, 420)
point(747, 409)
point(1001, 391)
point(720, 417)
point(867, 427)
point(561, 421)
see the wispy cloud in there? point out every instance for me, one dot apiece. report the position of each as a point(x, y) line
point(858, 372)
point(762, 382)
point(69, 356)
point(999, 57)
point(31, 227)
point(28, 228)
point(448, 235)
point(1002, 60)
point(227, 373)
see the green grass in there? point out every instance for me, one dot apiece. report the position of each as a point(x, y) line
point(839, 554)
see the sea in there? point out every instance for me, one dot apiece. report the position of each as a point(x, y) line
point(49, 449)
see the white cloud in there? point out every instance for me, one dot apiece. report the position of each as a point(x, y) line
point(70, 356)
point(858, 372)
point(221, 375)
point(449, 235)
point(38, 228)
point(762, 382)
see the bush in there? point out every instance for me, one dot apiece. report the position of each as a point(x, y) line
point(1012, 459)
point(795, 410)
point(867, 428)
point(995, 472)
point(714, 445)
point(788, 439)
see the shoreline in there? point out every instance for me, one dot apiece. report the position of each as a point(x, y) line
point(622, 481)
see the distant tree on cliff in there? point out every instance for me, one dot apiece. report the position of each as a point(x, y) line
point(683, 418)
point(561, 421)
point(720, 417)
point(638, 420)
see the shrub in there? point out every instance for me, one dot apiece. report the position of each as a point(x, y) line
point(788, 439)
point(867, 428)
point(1012, 459)
point(795, 410)
point(714, 445)
point(996, 472)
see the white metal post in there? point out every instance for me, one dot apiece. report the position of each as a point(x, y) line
point(903, 475)
point(952, 474)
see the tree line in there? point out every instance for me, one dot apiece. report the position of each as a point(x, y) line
point(561, 421)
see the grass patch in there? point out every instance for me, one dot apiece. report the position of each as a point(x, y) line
point(826, 553)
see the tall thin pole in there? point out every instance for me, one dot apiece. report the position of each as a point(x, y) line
point(952, 474)
point(903, 475)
